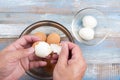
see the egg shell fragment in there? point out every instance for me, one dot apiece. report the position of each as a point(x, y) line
point(56, 48)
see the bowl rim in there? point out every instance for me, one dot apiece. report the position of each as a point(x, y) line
point(83, 41)
point(46, 23)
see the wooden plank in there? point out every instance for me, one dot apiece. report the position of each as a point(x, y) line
point(102, 72)
point(95, 72)
point(21, 15)
point(5, 42)
point(56, 6)
point(12, 24)
point(103, 60)
point(107, 52)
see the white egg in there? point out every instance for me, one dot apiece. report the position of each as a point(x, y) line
point(89, 21)
point(42, 49)
point(56, 48)
point(86, 33)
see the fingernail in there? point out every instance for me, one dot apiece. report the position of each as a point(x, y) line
point(31, 50)
point(64, 45)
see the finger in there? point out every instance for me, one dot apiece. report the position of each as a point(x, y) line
point(53, 61)
point(21, 53)
point(63, 57)
point(36, 64)
point(49, 56)
point(54, 56)
point(76, 52)
point(24, 40)
point(83, 66)
point(71, 45)
point(33, 57)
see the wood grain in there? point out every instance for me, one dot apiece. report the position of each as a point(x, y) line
point(12, 24)
point(52, 6)
point(95, 72)
point(107, 52)
point(103, 60)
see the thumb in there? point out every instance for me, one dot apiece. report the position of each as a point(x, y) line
point(21, 53)
point(63, 57)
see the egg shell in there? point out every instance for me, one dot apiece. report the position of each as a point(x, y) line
point(53, 38)
point(86, 33)
point(56, 48)
point(35, 43)
point(89, 21)
point(41, 35)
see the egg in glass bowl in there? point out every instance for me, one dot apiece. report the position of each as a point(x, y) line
point(90, 26)
point(50, 33)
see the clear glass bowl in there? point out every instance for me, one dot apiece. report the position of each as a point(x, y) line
point(101, 30)
point(46, 26)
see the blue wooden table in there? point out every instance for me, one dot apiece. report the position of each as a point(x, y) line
point(103, 60)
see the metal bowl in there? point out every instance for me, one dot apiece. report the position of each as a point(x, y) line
point(47, 27)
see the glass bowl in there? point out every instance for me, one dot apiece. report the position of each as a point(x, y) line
point(47, 27)
point(101, 30)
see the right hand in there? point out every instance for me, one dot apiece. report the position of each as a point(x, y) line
point(70, 69)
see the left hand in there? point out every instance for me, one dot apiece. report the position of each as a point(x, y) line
point(18, 58)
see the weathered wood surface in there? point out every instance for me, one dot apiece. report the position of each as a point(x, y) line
point(103, 60)
point(96, 72)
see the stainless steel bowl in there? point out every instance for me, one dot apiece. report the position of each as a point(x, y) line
point(47, 27)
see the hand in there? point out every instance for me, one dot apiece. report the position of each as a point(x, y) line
point(18, 58)
point(69, 69)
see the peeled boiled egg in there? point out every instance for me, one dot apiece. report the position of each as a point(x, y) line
point(53, 38)
point(86, 33)
point(56, 48)
point(89, 21)
point(42, 49)
point(41, 35)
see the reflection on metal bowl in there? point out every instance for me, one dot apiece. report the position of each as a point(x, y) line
point(47, 27)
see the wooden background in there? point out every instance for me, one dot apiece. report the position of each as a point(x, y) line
point(103, 60)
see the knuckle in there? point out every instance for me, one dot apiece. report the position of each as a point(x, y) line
point(84, 65)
